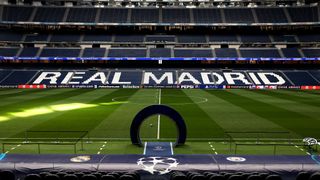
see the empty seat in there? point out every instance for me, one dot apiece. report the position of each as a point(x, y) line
point(315, 176)
point(97, 38)
point(129, 38)
point(94, 52)
point(10, 36)
point(33, 177)
point(65, 38)
point(260, 53)
point(52, 177)
point(70, 177)
point(129, 52)
point(36, 37)
point(223, 38)
point(273, 177)
point(89, 177)
point(49, 14)
point(191, 39)
point(7, 175)
point(303, 176)
point(60, 52)
point(309, 37)
point(255, 177)
point(311, 52)
point(108, 177)
point(303, 14)
point(140, 15)
point(284, 38)
point(271, 15)
point(174, 15)
point(238, 15)
point(291, 53)
point(160, 52)
point(207, 15)
point(193, 53)
point(113, 15)
point(29, 52)
point(87, 15)
point(263, 38)
point(160, 38)
point(16, 13)
point(10, 52)
point(226, 52)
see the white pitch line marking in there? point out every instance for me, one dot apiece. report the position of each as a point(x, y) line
point(301, 149)
point(213, 149)
point(145, 148)
point(101, 148)
point(159, 102)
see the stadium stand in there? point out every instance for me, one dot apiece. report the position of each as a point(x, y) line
point(238, 15)
point(175, 175)
point(86, 15)
point(126, 52)
point(205, 15)
point(144, 16)
point(60, 52)
point(151, 44)
point(174, 15)
point(113, 15)
point(160, 52)
point(226, 52)
point(49, 14)
point(259, 52)
point(271, 15)
point(94, 52)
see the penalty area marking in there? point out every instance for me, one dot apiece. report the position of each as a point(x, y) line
point(200, 100)
point(212, 148)
point(11, 149)
point(145, 148)
point(102, 147)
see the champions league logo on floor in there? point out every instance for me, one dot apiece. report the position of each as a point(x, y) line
point(157, 165)
point(236, 159)
point(80, 159)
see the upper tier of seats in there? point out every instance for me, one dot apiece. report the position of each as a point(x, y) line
point(105, 38)
point(161, 52)
point(228, 16)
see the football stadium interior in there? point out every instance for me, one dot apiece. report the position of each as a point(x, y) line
point(159, 89)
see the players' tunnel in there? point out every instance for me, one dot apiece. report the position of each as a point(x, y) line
point(154, 110)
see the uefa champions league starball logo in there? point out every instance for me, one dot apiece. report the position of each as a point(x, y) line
point(157, 165)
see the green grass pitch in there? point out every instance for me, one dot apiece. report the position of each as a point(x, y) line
point(97, 121)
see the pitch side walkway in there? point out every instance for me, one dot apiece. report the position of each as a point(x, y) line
point(280, 164)
point(158, 149)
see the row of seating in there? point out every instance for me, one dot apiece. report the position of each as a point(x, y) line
point(175, 175)
point(8, 36)
point(71, 175)
point(178, 175)
point(169, 15)
point(160, 52)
